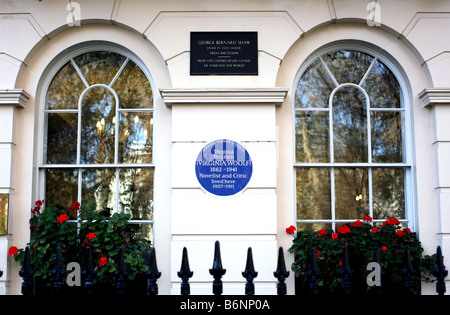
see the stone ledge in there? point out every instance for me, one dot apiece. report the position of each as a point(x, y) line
point(434, 96)
point(16, 97)
point(224, 96)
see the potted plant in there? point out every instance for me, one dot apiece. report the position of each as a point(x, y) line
point(75, 229)
point(362, 241)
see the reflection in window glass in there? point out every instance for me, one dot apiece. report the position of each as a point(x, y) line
point(349, 141)
point(349, 125)
point(98, 126)
point(4, 203)
point(61, 145)
point(312, 136)
point(313, 193)
point(98, 138)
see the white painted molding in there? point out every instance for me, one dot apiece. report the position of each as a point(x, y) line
point(16, 97)
point(435, 96)
point(224, 96)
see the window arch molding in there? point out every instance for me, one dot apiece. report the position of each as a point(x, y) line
point(406, 110)
point(66, 58)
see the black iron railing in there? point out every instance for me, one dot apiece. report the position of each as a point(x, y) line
point(149, 280)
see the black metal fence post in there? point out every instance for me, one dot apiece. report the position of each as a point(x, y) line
point(153, 273)
point(217, 271)
point(439, 272)
point(281, 273)
point(313, 273)
point(88, 272)
point(407, 272)
point(121, 272)
point(58, 273)
point(345, 272)
point(185, 273)
point(249, 273)
point(27, 273)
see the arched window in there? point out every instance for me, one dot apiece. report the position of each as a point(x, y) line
point(350, 147)
point(98, 137)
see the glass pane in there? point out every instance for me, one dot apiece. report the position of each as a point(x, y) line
point(136, 137)
point(349, 125)
point(65, 89)
point(347, 66)
point(387, 137)
point(382, 87)
point(312, 137)
point(313, 226)
point(98, 126)
point(136, 193)
point(99, 187)
point(144, 231)
point(133, 88)
point(61, 146)
point(313, 193)
point(388, 193)
point(4, 214)
point(99, 67)
point(314, 88)
point(61, 187)
point(351, 193)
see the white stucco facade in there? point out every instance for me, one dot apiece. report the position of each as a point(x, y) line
point(254, 110)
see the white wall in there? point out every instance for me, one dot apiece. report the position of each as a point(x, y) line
point(34, 33)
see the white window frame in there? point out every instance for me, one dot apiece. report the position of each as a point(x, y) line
point(407, 165)
point(42, 111)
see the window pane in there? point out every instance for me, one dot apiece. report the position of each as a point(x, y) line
point(4, 214)
point(388, 193)
point(315, 87)
point(133, 88)
point(312, 137)
point(382, 87)
point(349, 125)
point(347, 66)
point(313, 193)
point(61, 146)
point(351, 192)
point(387, 137)
point(136, 137)
point(61, 187)
point(136, 193)
point(144, 231)
point(99, 67)
point(99, 187)
point(65, 89)
point(313, 226)
point(98, 126)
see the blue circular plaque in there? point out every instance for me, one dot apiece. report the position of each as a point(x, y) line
point(223, 167)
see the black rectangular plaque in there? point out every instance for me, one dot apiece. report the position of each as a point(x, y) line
point(224, 53)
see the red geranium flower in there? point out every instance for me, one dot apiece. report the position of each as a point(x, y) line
point(90, 236)
point(375, 230)
point(102, 261)
point(322, 232)
point(399, 233)
point(75, 207)
point(367, 218)
point(12, 251)
point(343, 229)
point(334, 236)
point(290, 230)
point(63, 217)
point(391, 221)
point(357, 223)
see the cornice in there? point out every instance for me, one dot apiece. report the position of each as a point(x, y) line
point(16, 97)
point(224, 96)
